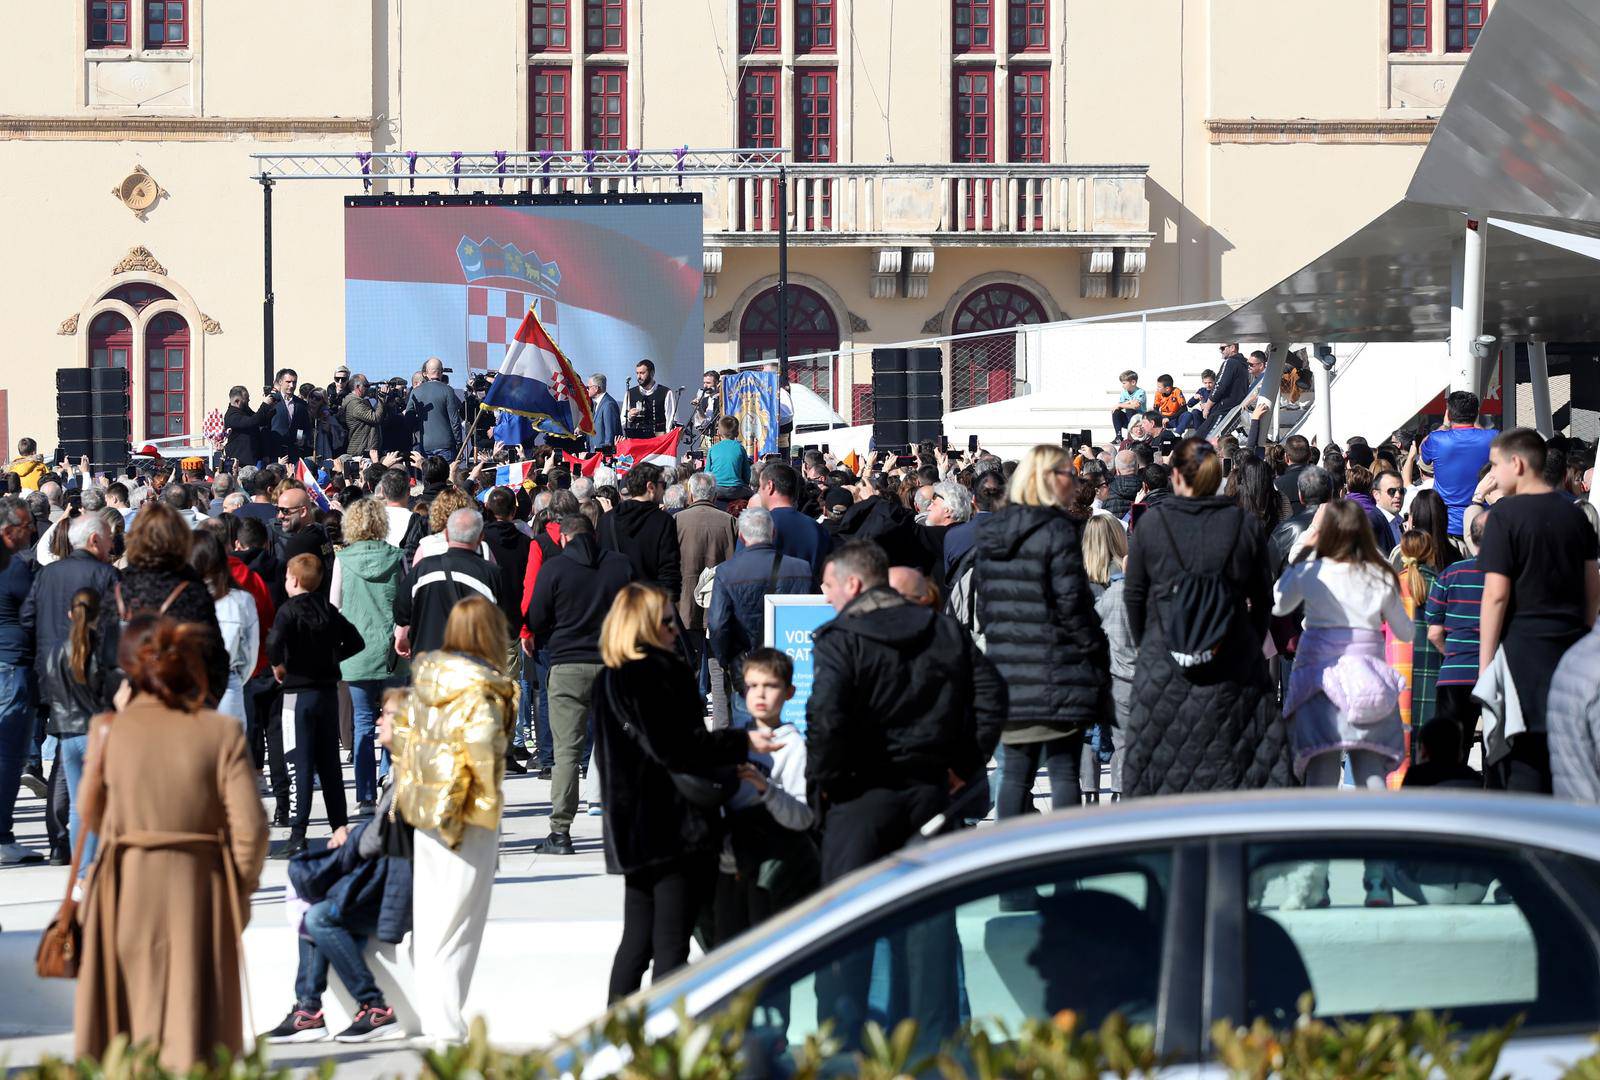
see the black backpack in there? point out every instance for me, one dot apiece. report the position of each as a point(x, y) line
point(1200, 608)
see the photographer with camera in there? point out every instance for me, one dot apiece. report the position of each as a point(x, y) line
point(436, 411)
point(363, 418)
point(248, 429)
point(479, 421)
point(395, 432)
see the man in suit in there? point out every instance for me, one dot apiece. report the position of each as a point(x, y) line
point(1297, 454)
point(1388, 492)
point(607, 414)
point(436, 411)
point(292, 433)
point(248, 429)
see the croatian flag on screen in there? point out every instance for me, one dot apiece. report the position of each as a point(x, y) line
point(610, 284)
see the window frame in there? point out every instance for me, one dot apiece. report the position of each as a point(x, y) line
point(181, 340)
point(1228, 902)
point(804, 142)
point(1041, 101)
point(988, 97)
point(1469, 30)
point(1014, 28)
point(754, 19)
point(1426, 25)
point(550, 7)
point(591, 141)
point(973, 8)
point(126, 22)
point(604, 7)
point(546, 71)
point(144, 25)
point(773, 97)
point(805, 43)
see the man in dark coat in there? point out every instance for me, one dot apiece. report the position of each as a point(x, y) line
point(1297, 454)
point(435, 411)
point(1123, 488)
point(737, 615)
point(1233, 382)
point(291, 431)
point(904, 710)
point(247, 428)
point(644, 532)
point(1313, 488)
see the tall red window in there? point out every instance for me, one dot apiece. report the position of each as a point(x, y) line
point(604, 22)
point(815, 125)
point(108, 24)
point(758, 26)
point(166, 24)
point(1030, 136)
point(759, 122)
point(166, 373)
point(551, 108)
point(1029, 25)
point(1463, 19)
point(110, 340)
point(814, 26)
point(549, 28)
point(1409, 25)
point(974, 29)
point(608, 108)
point(974, 142)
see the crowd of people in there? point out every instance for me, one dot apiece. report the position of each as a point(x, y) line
point(1166, 613)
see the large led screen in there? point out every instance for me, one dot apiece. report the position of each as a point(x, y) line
point(613, 280)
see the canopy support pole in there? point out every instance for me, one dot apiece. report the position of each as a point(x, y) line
point(1539, 385)
point(1466, 303)
point(1508, 385)
point(1322, 399)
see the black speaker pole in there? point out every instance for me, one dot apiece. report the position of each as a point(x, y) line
point(783, 275)
point(267, 300)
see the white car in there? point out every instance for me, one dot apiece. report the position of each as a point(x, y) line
point(1179, 912)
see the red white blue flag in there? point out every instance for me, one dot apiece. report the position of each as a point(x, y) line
point(314, 489)
point(538, 381)
point(661, 450)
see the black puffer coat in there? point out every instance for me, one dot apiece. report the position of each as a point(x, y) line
point(1121, 491)
point(1214, 727)
point(1038, 617)
point(653, 702)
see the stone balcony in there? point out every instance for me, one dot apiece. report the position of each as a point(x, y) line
point(904, 213)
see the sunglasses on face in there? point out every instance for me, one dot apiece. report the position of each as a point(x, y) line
point(284, 511)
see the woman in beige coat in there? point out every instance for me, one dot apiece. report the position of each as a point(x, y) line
point(169, 790)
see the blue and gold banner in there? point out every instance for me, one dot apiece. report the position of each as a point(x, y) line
point(752, 397)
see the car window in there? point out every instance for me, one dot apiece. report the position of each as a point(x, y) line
point(1084, 935)
point(1396, 926)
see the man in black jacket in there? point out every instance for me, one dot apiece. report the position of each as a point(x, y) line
point(904, 711)
point(290, 432)
point(439, 582)
point(644, 532)
point(509, 546)
point(46, 613)
point(297, 533)
point(1313, 488)
point(248, 429)
point(1233, 382)
point(571, 598)
point(1297, 455)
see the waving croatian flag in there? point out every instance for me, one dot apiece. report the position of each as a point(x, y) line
point(537, 381)
point(314, 489)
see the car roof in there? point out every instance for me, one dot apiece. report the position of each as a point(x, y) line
point(1453, 814)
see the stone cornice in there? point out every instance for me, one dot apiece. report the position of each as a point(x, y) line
point(1364, 132)
point(95, 127)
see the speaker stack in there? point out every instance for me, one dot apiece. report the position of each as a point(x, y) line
point(92, 407)
point(907, 396)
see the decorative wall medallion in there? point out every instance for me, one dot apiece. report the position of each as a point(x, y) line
point(934, 324)
point(139, 258)
point(209, 325)
point(138, 191)
point(722, 324)
point(68, 327)
point(858, 325)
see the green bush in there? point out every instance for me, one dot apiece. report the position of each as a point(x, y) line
point(1422, 1047)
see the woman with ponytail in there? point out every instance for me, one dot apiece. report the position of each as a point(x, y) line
point(178, 859)
point(76, 682)
point(1204, 713)
point(1414, 658)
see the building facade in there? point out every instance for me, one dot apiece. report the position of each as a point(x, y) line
point(955, 165)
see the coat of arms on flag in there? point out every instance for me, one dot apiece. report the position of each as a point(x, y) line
point(537, 380)
point(493, 315)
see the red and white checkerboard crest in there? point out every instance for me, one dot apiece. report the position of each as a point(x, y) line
point(493, 315)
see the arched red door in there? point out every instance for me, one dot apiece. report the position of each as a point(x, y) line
point(166, 372)
point(984, 369)
point(812, 329)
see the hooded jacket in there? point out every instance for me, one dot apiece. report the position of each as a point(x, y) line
point(250, 581)
point(1038, 617)
point(309, 639)
point(509, 546)
point(450, 745)
point(572, 597)
point(901, 697)
point(370, 577)
point(648, 536)
point(31, 470)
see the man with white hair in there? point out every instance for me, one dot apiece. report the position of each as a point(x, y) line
point(440, 582)
point(674, 498)
point(705, 540)
point(1123, 487)
point(57, 498)
point(232, 501)
point(94, 501)
point(736, 620)
point(582, 488)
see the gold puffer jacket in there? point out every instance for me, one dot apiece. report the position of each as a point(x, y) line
point(450, 745)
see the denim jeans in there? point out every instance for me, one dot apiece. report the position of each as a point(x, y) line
point(16, 740)
point(72, 750)
point(544, 744)
point(1061, 758)
point(366, 702)
point(341, 946)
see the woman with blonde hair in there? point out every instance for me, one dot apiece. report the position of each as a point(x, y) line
point(366, 579)
point(657, 760)
point(1204, 713)
point(1414, 657)
point(169, 791)
point(1041, 632)
point(450, 750)
point(1105, 554)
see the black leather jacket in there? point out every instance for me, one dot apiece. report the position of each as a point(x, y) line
point(72, 703)
point(1284, 536)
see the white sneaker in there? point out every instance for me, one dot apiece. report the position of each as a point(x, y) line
point(17, 855)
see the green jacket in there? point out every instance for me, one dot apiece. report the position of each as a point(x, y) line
point(369, 575)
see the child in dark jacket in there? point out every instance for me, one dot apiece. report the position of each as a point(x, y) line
point(309, 638)
point(359, 887)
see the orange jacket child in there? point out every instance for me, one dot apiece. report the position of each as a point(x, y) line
point(1169, 401)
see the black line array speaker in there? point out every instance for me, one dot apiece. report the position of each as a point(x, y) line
point(907, 396)
point(92, 408)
